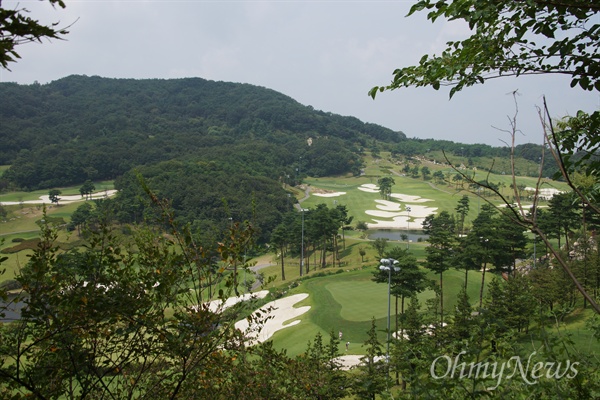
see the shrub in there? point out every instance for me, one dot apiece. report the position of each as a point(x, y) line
point(10, 284)
point(30, 244)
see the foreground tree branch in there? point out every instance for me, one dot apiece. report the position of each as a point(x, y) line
point(528, 218)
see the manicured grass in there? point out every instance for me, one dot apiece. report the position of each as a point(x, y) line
point(65, 191)
point(339, 301)
point(24, 226)
point(347, 301)
point(445, 196)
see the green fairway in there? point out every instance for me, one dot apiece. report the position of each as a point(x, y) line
point(444, 195)
point(347, 301)
point(346, 298)
point(65, 191)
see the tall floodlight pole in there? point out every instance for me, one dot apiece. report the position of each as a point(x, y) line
point(302, 244)
point(408, 228)
point(387, 264)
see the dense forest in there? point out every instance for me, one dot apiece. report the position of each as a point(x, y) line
point(207, 146)
point(80, 128)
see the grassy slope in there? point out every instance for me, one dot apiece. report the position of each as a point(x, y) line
point(445, 196)
point(345, 301)
point(21, 222)
point(65, 191)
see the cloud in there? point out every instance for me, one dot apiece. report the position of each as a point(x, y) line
point(325, 54)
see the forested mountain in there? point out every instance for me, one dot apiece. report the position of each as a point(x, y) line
point(219, 151)
point(79, 128)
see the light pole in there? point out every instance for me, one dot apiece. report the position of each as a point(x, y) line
point(302, 244)
point(408, 228)
point(387, 264)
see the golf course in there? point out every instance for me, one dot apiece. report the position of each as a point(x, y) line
point(335, 299)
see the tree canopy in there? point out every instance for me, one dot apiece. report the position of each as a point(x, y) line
point(16, 28)
point(509, 38)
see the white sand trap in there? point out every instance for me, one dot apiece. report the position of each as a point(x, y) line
point(421, 211)
point(386, 205)
point(383, 214)
point(396, 222)
point(62, 199)
point(369, 187)
point(400, 220)
point(283, 311)
point(219, 305)
point(352, 360)
point(406, 198)
point(336, 194)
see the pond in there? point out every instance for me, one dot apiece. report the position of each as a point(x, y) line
point(12, 311)
point(396, 234)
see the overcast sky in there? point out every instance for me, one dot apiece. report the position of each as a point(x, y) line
point(326, 54)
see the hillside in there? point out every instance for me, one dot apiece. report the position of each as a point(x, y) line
point(79, 128)
point(219, 151)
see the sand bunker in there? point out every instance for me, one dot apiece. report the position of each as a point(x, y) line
point(399, 219)
point(421, 211)
point(406, 198)
point(382, 214)
point(369, 187)
point(334, 194)
point(217, 305)
point(62, 199)
point(283, 311)
point(352, 360)
point(386, 205)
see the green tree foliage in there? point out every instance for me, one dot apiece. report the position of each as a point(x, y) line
point(372, 376)
point(409, 281)
point(561, 218)
point(510, 304)
point(463, 323)
point(206, 196)
point(320, 234)
point(462, 209)
point(379, 245)
point(81, 217)
point(442, 245)
point(53, 196)
point(87, 189)
point(16, 28)
point(95, 324)
point(385, 186)
point(95, 127)
point(509, 38)
point(317, 373)
point(578, 139)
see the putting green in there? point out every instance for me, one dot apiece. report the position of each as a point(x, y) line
point(360, 300)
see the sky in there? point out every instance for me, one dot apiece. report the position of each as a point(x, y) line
point(326, 54)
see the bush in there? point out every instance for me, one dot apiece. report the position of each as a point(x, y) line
point(17, 240)
point(30, 244)
point(10, 284)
